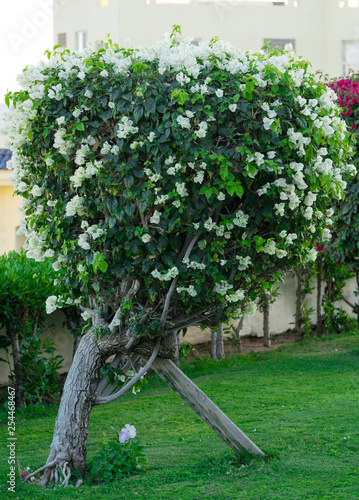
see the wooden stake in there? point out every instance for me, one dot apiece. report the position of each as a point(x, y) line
point(204, 407)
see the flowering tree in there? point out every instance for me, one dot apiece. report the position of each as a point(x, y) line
point(346, 227)
point(170, 182)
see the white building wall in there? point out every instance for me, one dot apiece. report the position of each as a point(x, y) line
point(318, 26)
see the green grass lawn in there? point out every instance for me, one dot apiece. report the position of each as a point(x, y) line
point(300, 404)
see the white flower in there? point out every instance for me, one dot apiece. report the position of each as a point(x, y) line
point(241, 219)
point(51, 304)
point(202, 130)
point(269, 248)
point(77, 112)
point(125, 128)
point(83, 241)
point(190, 114)
point(146, 238)
point(222, 287)
point(60, 120)
point(199, 177)
point(21, 187)
point(75, 206)
point(111, 105)
point(156, 217)
point(219, 93)
point(182, 79)
point(243, 262)
point(151, 136)
point(106, 148)
point(49, 253)
point(280, 253)
point(181, 189)
point(236, 296)
point(37, 191)
point(86, 315)
point(279, 208)
point(267, 122)
point(88, 93)
point(176, 203)
point(232, 107)
point(104, 73)
point(184, 122)
point(221, 196)
point(308, 213)
point(250, 309)
point(190, 290)
point(165, 276)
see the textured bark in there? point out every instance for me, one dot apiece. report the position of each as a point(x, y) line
point(220, 345)
point(214, 345)
point(14, 337)
point(176, 359)
point(204, 407)
point(266, 304)
point(298, 308)
point(69, 442)
point(319, 296)
point(237, 332)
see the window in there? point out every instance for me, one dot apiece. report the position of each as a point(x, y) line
point(350, 57)
point(81, 40)
point(61, 39)
point(280, 42)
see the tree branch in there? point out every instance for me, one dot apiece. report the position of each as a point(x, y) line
point(103, 400)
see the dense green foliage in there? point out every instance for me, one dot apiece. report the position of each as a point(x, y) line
point(198, 172)
point(24, 287)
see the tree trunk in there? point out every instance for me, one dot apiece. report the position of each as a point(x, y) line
point(237, 331)
point(319, 296)
point(69, 444)
point(204, 407)
point(298, 308)
point(77, 340)
point(176, 359)
point(267, 340)
point(14, 337)
point(220, 344)
point(214, 345)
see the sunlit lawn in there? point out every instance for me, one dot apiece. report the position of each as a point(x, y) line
point(300, 404)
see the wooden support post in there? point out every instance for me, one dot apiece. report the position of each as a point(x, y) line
point(204, 407)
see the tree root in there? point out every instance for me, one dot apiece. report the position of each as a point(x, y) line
point(60, 473)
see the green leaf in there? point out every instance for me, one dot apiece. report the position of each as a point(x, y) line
point(130, 209)
point(150, 105)
point(202, 244)
point(148, 196)
point(259, 243)
point(142, 206)
point(80, 126)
